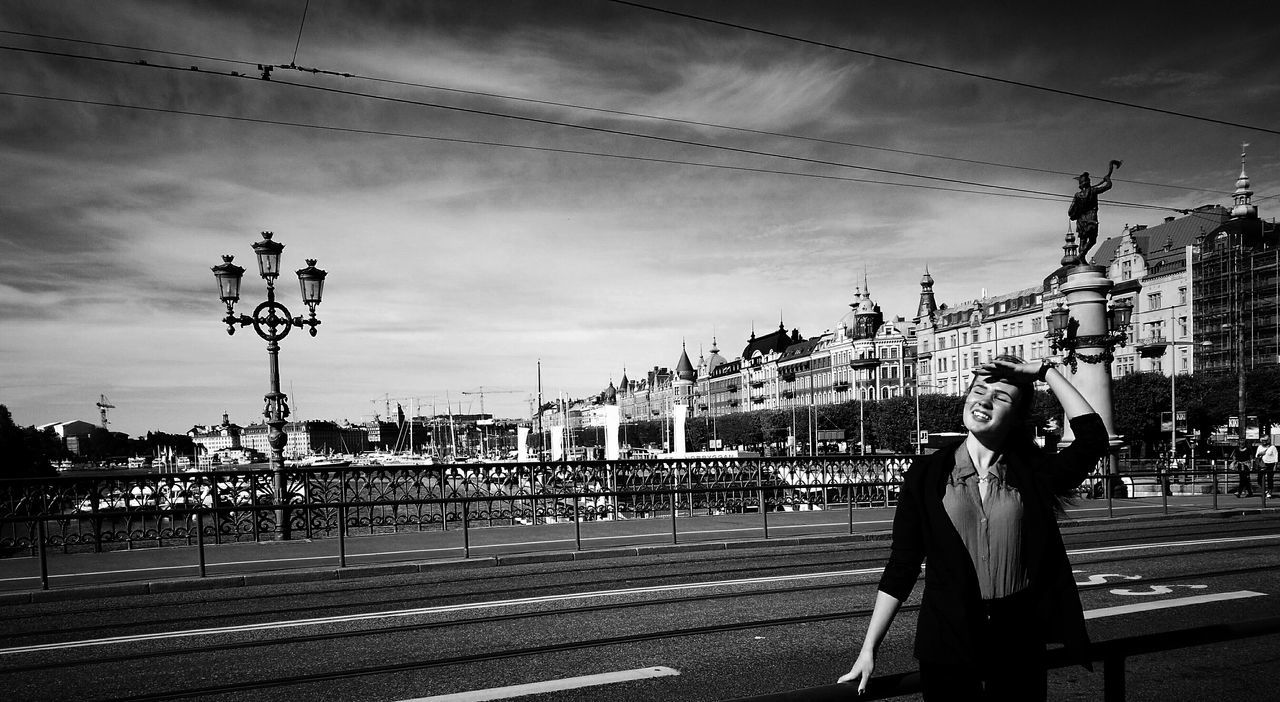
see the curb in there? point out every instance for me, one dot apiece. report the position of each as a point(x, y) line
point(288, 577)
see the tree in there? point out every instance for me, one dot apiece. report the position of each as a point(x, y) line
point(1137, 401)
point(26, 452)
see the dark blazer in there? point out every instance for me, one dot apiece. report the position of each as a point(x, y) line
point(951, 620)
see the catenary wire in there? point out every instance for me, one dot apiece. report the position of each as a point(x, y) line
point(603, 130)
point(945, 69)
point(621, 113)
point(527, 147)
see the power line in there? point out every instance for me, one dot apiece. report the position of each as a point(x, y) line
point(548, 122)
point(535, 120)
point(526, 147)
point(621, 113)
point(944, 69)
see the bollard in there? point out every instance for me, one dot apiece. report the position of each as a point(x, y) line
point(44, 557)
point(200, 540)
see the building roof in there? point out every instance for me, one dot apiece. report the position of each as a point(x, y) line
point(774, 342)
point(1172, 235)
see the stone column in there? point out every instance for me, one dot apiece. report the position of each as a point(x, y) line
point(1087, 289)
point(557, 442)
point(678, 446)
point(522, 444)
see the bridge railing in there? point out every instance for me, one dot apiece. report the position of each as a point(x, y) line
point(115, 511)
point(1113, 654)
point(129, 510)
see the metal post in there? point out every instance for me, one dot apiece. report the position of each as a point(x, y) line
point(44, 557)
point(764, 512)
point(1113, 679)
point(466, 532)
point(342, 532)
point(1213, 474)
point(200, 539)
point(577, 525)
point(1164, 492)
point(849, 494)
point(675, 537)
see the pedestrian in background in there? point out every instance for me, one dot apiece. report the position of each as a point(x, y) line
point(1266, 457)
point(983, 515)
point(1242, 460)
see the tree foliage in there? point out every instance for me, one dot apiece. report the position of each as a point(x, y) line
point(26, 452)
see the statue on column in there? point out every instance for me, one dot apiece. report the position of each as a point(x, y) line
point(1084, 209)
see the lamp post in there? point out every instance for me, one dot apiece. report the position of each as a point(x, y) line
point(272, 321)
point(919, 432)
point(1155, 348)
point(859, 364)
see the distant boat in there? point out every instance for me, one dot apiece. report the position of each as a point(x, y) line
point(320, 461)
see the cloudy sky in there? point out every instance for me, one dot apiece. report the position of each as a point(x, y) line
point(582, 182)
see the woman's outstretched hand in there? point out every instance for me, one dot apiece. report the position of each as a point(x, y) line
point(860, 672)
point(1018, 373)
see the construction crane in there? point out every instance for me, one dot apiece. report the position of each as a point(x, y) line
point(483, 422)
point(481, 391)
point(103, 406)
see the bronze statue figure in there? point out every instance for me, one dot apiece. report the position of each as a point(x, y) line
point(1084, 209)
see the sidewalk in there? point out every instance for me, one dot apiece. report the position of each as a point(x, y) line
point(175, 569)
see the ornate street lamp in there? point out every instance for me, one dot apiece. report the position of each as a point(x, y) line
point(272, 321)
point(1063, 337)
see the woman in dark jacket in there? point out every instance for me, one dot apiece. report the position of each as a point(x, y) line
point(983, 515)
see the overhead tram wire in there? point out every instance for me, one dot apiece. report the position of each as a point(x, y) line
point(621, 113)
point(945, 69)
point(685, 142)
point(548, 122)
point(527, 147)
point(1050, 197)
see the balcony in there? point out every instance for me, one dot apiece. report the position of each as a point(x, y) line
point(757, 400)
point(757, 383)
point(788, 394)
point(842, 386)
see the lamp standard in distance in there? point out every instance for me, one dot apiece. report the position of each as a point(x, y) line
point(1155, 348)
point(272, 321)
point(865, 363)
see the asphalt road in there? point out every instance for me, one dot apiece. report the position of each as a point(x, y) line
point(680, 625)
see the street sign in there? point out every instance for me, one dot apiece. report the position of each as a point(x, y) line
point(831, 435)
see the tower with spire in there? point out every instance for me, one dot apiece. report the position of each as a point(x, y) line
point(1243, 207)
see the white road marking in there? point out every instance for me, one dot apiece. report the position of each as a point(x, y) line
point(1169, 544)
point(442, 609)
point(1149, 605)
point(502, 693)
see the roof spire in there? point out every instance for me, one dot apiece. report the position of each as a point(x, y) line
point(1243, 205)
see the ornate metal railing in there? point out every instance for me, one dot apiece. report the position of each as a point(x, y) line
point(101, 512)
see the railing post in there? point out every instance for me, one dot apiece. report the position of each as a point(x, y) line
point(44, 557)
point(675, 536)
point(848, 491)
point(1113, 679)
point(1213, 473)
point(1109, 487)
point(342, 531)
point(764, 512)
point(200, 539)
point(1161, 477)
point(466, 531)
point(577, 524)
